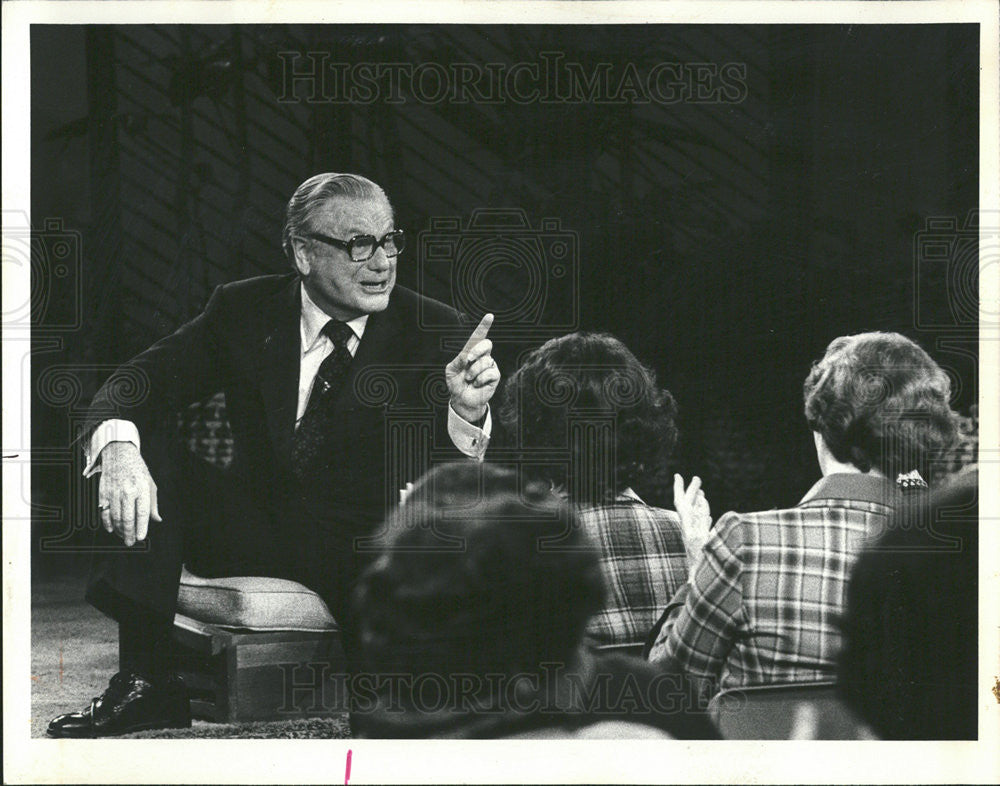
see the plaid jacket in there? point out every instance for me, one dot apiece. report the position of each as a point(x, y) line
point(764, 601)
point(643, 562)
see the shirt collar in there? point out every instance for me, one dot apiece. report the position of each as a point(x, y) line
point(314, 319)
point(853, 486)
point(630, 495)
point(626, 495)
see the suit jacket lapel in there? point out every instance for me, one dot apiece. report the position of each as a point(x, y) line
point(279, 368)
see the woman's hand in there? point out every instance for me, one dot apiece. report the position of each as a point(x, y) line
point(695, 515)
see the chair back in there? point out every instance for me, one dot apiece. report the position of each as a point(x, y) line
point(204, 428)
point(767, 712)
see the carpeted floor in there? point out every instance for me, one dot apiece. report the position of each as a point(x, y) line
point(307, 728)
point(74, 651)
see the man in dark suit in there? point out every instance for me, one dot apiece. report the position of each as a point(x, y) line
point(336, 399)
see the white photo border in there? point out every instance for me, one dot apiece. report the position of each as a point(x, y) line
point(253, 761)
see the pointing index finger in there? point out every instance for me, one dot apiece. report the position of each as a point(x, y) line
point(478, 334)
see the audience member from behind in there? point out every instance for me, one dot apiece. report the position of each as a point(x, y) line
point(909, 663)
point(472, 622)
point(585, 398)
point(765, 596)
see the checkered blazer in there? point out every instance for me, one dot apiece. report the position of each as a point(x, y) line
point(643, 562)
point(765, 597)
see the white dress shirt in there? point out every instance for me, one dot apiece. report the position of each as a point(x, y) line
point(314, 348)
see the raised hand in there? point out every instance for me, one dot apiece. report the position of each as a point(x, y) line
point(695, 515)
point(473, 376)
point(126, 493)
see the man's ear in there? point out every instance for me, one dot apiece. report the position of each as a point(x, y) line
point(301, 256)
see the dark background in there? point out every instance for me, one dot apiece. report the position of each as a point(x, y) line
point(725, 242)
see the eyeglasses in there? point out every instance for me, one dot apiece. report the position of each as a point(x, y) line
point(362, 247)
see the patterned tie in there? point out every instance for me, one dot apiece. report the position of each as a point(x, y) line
point(318, 417)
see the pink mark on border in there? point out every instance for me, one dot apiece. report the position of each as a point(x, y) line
point(347, 772)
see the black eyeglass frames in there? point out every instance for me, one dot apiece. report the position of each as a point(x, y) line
point(361, 248)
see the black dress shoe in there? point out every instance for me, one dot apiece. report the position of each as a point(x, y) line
point(131, 703)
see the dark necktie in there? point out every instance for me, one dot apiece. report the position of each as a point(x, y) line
point(307, 446)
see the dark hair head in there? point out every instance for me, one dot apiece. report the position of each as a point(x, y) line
point(909, 662)
point(588, 395)
point(878, 400)
point(477, 576)
point(317, 190)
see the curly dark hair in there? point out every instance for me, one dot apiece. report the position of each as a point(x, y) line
point(879, 400)
point(479, 575)
point(588, 397)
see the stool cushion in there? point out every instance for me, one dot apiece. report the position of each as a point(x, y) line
point(252, 603)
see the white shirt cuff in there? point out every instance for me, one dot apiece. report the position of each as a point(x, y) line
point(108, 431)
point(470, 440)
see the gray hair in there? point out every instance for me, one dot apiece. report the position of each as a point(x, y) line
point(315, 191)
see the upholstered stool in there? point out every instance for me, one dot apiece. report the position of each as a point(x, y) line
point(255, 648)
point(251, 648)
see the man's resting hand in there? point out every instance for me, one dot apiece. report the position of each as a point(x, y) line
point(126, 494)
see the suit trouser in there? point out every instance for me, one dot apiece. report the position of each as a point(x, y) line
point(217, 525)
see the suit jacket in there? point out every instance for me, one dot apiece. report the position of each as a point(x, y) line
point(643, 561)
point(764, 602)
point(392, 407)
